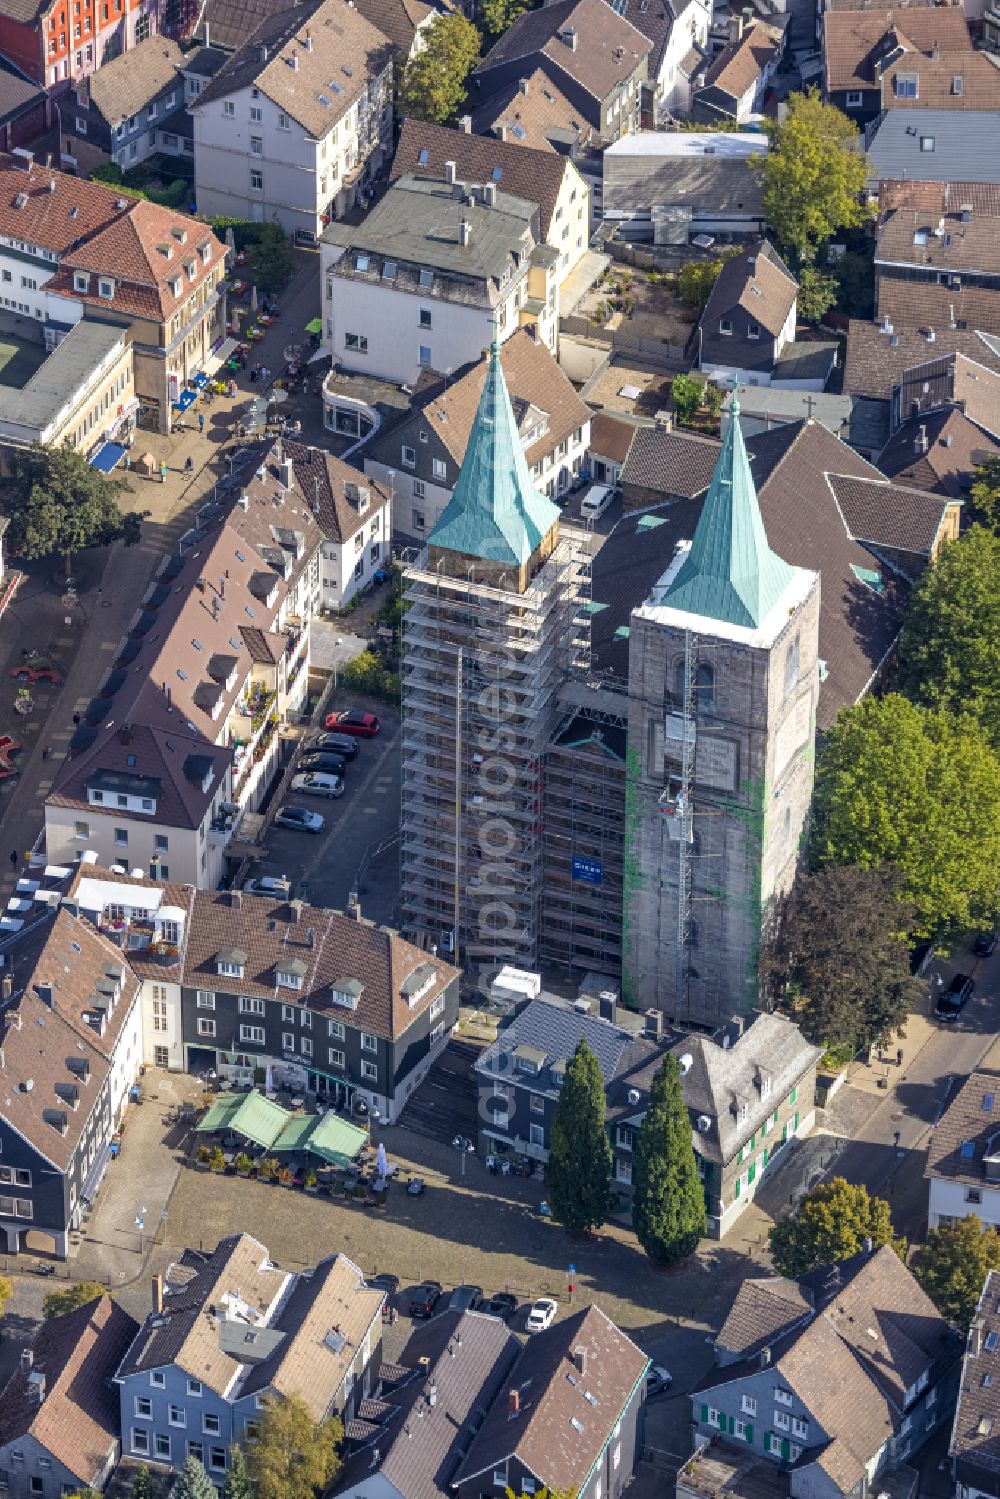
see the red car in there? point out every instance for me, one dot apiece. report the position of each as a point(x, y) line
point(350, 721)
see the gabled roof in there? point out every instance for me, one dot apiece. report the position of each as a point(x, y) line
point(54, 218)
point(495, 512)
point(877, 359)
point(77, 1422)
point(552, 1030)
point(730, 573)
point(741, 63)
point(938, 452)
point(128, 83)
point(764, 1310)
point(565, 1416)
point(975, 1432)
point(607, 48)
point(967, 1132)
point(532, 112)
point(400, 20)
point(758, 281)
point(857, 44)
point(959, 137)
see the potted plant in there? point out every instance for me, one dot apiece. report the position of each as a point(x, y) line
point(312, 1182)
point(216, 1160)
point(243, 1164)
point(266, 1171)
point(204, 1155)
point(286, 1176)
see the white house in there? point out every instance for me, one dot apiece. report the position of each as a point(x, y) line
point(678, 31)
point(294, 125)
point(963, 1160)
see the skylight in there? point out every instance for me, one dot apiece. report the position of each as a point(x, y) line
point(987, 1103)
point(423, 157)
point(968, 1150)
point(992, 1338)
point(497, 173)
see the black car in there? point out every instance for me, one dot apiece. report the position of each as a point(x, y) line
point(955, 997)
point(386, 1282)
point(424, 1298)
point(502, 1305)
point(321, 760)
point(466, 1299)
point(985, 944)
point(339, 744)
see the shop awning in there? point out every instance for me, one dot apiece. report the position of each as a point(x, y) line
point(295, 1133)
point(219, 356)
point(221, 1113)
point(107, 457)
point(335, 1141)
point(316, 326)
point(200, 380)
point(92, 1181)
point(185, 399)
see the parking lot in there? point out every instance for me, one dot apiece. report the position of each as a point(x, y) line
point(325, 867)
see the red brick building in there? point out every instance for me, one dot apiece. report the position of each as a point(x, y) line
point(58, 42)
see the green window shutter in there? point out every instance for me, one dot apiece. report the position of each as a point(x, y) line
point(704, 1415)
point(739, 1158)
point(732, 1425)
point(767, 1441)
point(765, 1157)
point(751, 1174)
point(785, 1449)
point(795, 1121)
point(750, 1435)
point(793, 1095)
point(752, 1141)
point(774, 1118)
point(738, 1187)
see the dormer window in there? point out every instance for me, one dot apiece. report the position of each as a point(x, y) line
point(346, 992)
point(105, 287)
point(192, 269)
point(763, 1081)
point(231, 962)
point(81, 281)
point(206, 253)
point(291, 975)
point(180, 234)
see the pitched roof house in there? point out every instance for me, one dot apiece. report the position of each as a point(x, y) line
point(735, 84)
point(749, 318)
point(963, 1161)
point(975, 1434)
point(861, 48)
point(938, 271)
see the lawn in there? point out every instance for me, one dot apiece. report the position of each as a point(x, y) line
point(19, 359)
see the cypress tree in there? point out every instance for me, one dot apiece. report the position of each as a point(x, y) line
point(194, 1482)
point(668, 1204)
point(580, 1160)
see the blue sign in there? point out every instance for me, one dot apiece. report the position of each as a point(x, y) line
point(588, 871)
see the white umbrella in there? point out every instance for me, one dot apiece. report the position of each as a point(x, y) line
point(253, 299)
point(269, 1079)
point(381, 1164)
point(230, 238)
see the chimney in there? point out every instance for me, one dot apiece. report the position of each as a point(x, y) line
point(36, 1386)
point(654, 1024)
point(966, 212)
point(125, 734)
point(294, 910)
point(920, 444)
point(285, 472)
point(52, 184)
point(580, 1359)
point(735, 30)
point(765, 1357)
point(513, 1402)
point(523, 85)
point(309, 41)
point(570, 38)
point(263, 54)
point(294, 62)
point(27, 1359)
point(208, 35)
point(664, 423)
point(465, 233)
point(236, 899)
point(449, 173)
point(490, 195)
point(157, 1295)
point(502, 127)
point(8, 986)
point(975, 1338)
point(465, 124)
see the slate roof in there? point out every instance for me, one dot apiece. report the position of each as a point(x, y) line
point(162, 752)
point(758, 281)
point(230, 23)
point(876, 361)
point(954, 447)
point(128, 83)
point(764, 1310)
point(856, 43)
point(536, 175)
point(656, 22)
point(532, 112)
point(960, 137)
point(704, 170)
point(330, 491)
point(967, 1132)
point(554, 1029)
point(565, 1418)
point(608, 48)
point(495, 512)
point(882, 514)
point(975, 1432)
point(297, 46)
point(77, 1423)
point(17, 94)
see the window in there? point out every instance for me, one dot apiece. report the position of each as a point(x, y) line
point(229, 109)
point(121, 837)
point(906, 85)
point(157, 1379)
point(205, 1027)
point(251, 1006)
point(408, 457)
point(217, 1458)
point(197, 1449)
point(206, 999)
point(161, 842)
point(210, 1424)
point(425, 317)
point(306, 1047)
point(162, 1444)
point(537, 1103)
point(370, 1071)
point(424, 357)
point(800, 1428)
point(854, 99)
point(740, 1429)
point(252, 1035)
point(356, 341)
point(81, 830)
point(782, 1397)
point(256, 180)
point(927, 144)
point(140, 1440)
point(288, 1041)
point(748, 1405)
point(368, 1043)
point(753, 330)
point(782, 1420)
point(625, 1136)
point(335, 1057)
point(161, 1056)
point(623, 1172)
point(143, 1407)
point(536, 1134)
point(726, 326)
point(256, 145)
point(194, 1386)
point(419, 523)
point(176, 1415)
point(283, 122)
point(335, 1028)
point(973, 1194)
point(439, 468)
point(256, 114)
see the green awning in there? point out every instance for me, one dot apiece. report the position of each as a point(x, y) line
point(335, 1141)
point(295, 1133)
point(316, 326)
point(221, 1113)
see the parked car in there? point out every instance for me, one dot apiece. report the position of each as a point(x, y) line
point(301, 819)
point(323, 760)
point(594, 504)
point(955, 997)
point(318, 783)
point(466, 1299)
point(658, 1380)
point(269, 884)
point(351, 721)
point(416, 1187)
point(339, 744)
point(985, 944)
point(386, 1282)
point(542, 1314)
point(425, 1298)
point(502, 1305)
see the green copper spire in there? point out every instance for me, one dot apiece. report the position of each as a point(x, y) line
point(495, 511)
point(730, 573)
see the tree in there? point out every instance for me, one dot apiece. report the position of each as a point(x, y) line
point(57, 503)
point(836, 953)
point(832, 1223)
point(238, 1484)
point(142, 1486)
point(983, 504)
point(686, 393)
point(579, 1169)
point(293, 1456)
point(950, 645)
point(854, 274)
point(498, 15)
point(903, 785)
point(56, 1303)
point(270, 258)
point(814, 176)
point(668, 1202)
point(193, 1482)
point(953, 1265)
point(817, 294)
point(696, 280)
point(433, 83)
point(6, 1292)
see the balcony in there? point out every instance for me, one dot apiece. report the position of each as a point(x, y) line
point(250, 756)
point(225, 825)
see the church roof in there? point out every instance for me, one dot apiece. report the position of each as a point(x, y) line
point(730, 572)
point(495, 512)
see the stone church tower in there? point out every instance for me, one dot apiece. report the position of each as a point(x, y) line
point(723, 683)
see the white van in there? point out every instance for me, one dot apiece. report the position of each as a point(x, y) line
point(596, 502)
point(318, 783)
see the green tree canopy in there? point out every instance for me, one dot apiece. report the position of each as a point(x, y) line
point(902, 785)
point(817, 294)
point(142, 1484)
point(696, 279)
point(193, 1482)
point(238, 1484)
point(687, 393)
point(271, 261)
point(580, 1160)
point(953, 1265)
point(56, 1303)
point(668, 1201)
point(498, 15)
point(814, 176)
point(983, 504)
point(433, 83)
point(831, 1223)
point(837, 955)
point(6, 1292)
point(293, 1456)
point(949, 651)
point(56, 502)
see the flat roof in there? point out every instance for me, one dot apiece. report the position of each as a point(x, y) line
point(690, 143)
point(57, 381)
